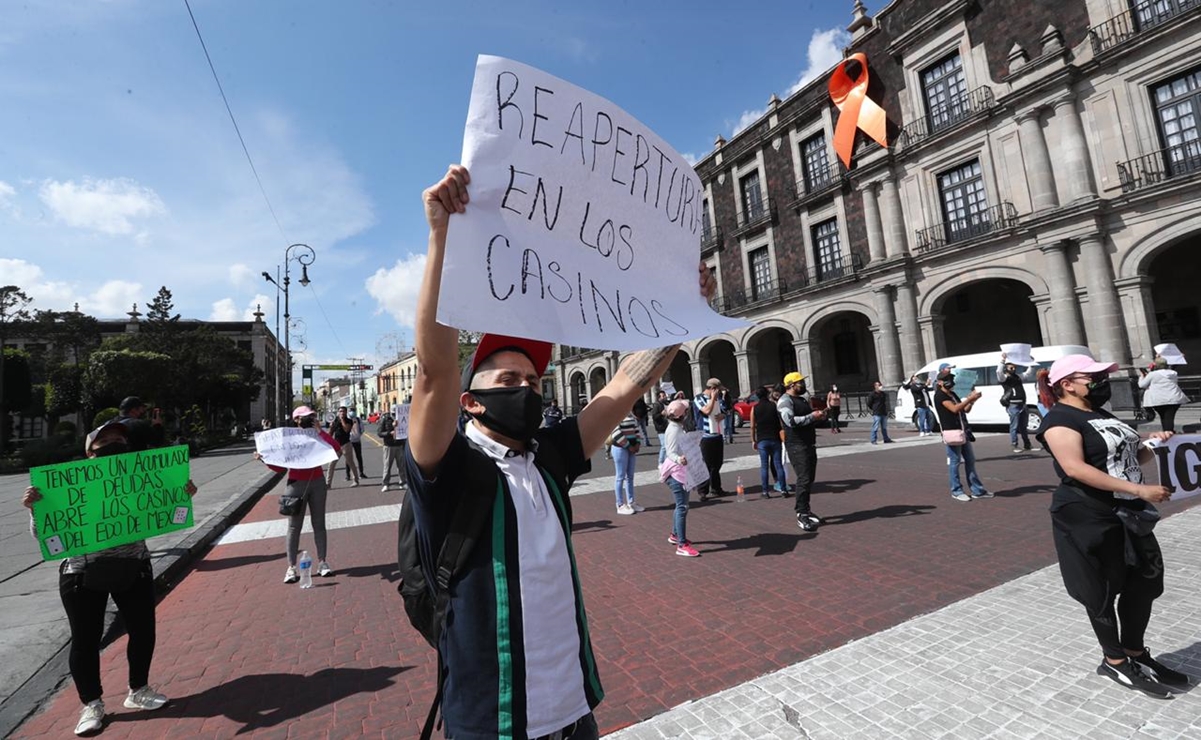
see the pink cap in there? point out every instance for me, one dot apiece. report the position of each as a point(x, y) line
point(1073, 364)
point(676, 409)
point(302, 411)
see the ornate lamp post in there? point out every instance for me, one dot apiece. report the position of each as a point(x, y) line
point(305, 255)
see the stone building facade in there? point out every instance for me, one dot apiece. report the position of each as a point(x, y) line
point(1041, 185)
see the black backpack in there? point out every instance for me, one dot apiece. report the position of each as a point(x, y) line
point(425, 604)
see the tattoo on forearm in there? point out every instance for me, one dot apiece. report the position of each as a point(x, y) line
point(640, 366)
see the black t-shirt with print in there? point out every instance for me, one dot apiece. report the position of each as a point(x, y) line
point(946, 419)
point(1110, 445)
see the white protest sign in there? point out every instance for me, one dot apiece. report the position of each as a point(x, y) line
point(1179, 464)
point(668, 387)
point(690, 448)
point(1018, 354)
point(583, 226)
point(401, 414)
point(293, 447)
point(1171, 353)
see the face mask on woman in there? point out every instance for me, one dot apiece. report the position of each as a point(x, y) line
point(1099, 393)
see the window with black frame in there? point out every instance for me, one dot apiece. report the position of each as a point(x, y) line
point(706, 223)
point(752, 196)
point(761, 283)
point(1177, 106)
point(815, 164)
point(964, 204)
point(945, 89)
point(1151, 13)
point(828, 250)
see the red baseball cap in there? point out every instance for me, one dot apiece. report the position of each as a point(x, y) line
point(538, 352)
point(1072, 364)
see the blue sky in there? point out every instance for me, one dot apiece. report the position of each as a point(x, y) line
point(120, 170)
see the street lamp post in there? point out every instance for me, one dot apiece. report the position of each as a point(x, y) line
point(305, 255)
point(279, 405)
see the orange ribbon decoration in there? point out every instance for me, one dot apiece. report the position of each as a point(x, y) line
point(856, 110)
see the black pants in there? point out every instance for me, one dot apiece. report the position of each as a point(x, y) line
point(804, 465)
point(832, 413)
point(85, 614)
point(713, 451)
point(1167, 416)
point(358, 456)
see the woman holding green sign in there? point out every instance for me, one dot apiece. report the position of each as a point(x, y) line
point(85, 584)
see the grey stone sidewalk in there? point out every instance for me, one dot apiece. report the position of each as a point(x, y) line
point(33, 626)
point(1015, 662)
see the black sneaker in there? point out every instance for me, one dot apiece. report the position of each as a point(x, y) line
point(1160, 672)
point(1130, 674)
point(806, 523)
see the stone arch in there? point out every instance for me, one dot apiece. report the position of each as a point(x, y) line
point(840, 348)
point(598, 376)
point(701, 351)
point(578, 389)
point(770, 352)
point(825, 312)
point(762, 326)
point(679, 373)
point(932, 300)
point(1138, 258)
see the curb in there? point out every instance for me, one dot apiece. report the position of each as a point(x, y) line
point(169, 567)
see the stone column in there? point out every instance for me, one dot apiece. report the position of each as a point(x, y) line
point(1038, 161)
point(875, 229)
point(889, 344)
point(912, 356)
point(744, 373)
point(933, 335)
point(804, 358)
point(699, 374)
point(1075, 166)
point(1067, 327)
point(895, 243)
point(1106, 333)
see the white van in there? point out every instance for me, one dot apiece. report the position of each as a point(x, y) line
point(979, 371)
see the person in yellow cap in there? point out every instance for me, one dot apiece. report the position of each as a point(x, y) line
point(800, 441)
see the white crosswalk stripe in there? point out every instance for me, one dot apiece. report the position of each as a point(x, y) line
point(273, 528)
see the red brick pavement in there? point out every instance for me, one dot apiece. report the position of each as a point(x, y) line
point(240, 653)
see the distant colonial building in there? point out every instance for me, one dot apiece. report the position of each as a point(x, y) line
point(1041, 185)
point(394, 381)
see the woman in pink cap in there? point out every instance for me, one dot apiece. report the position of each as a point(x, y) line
point(308, 486)
point(674, 473)
point(1101, 516)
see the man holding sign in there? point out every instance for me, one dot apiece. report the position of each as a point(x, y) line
point(92, 572)
point(517, 654)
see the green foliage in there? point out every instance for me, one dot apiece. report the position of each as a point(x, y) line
point(65, 390)
point(105, 415)
point(17, 390)
point(66, 428)
point(50, 451)
point(112, 375)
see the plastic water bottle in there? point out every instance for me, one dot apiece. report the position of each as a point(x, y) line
point(305, 563)
point(741, 491)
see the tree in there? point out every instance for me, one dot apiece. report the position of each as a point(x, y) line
point(161, 306)
point(468, 341)
point(14, 311)
point(114, 374)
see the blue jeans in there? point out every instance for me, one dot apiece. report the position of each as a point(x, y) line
point(623, 467)
point(662, 447)
point(923, 420)
point(728, 426)
point(680, 521)
point(965, 454)
point(771, 453)
point(1019, 416)
point(880, 424)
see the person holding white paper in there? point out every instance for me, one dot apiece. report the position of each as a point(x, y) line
point(674, 472)
point(517, 655)
point(1161, 393)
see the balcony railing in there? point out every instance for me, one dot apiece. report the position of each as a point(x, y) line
point(711, 239)
point(757, 214)
point(947, 116)
point(998, 217)
point(1159, 166)
point(774, 290)
point(1139, 19)
point(823, 179)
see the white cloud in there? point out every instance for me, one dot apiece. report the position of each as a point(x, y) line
point(30, 278)
point(7, 195)
point(240, 275)
point(224, 310)
point(825, 51)
point(106, 206)
point(262, 303)
point(690, 158)
point(395, 290)
point(19, 273)
point(113, 299)
point(227, 309)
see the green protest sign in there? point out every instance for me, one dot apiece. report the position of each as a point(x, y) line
point(91, 505)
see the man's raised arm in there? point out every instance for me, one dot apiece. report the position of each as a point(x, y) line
point(634, 378)
point(435, 410)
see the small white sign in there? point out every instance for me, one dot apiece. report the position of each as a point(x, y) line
point(584, 226)
point(690, 448)
point(293, 447)
point(1171, 353)
point(1018, 354)
point(668, 387)
point(401, 413)
point(1179, 464)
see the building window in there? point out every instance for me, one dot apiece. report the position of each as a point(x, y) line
point(752, 196)
point(1177, 105)
point(706, 222)
point(945, 89)
point(814, 163)
point(964, 205)
point(760, 273)
point(827, 250)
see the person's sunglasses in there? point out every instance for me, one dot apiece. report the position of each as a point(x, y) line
point(1092, 380)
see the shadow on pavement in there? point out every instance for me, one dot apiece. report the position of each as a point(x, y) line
point(841, 486)
point(1182, 660)
point(598, 525)
point(268, 699)
point(1023, 490)
point(767, 543)
point(226, 563)
point(243, 448)
point(385, 571)
point(892, 511)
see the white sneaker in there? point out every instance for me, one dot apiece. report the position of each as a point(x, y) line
point(145, 698)
point(324, 570)
point(625, 510)
point(637, 509)
point(290, 575)
point(91, 719)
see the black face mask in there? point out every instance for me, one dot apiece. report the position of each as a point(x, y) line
point(112, 448)
point(948, 381)
point(801, 388)
point(1099, 394)
point(305, 422)
point(514, 412)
